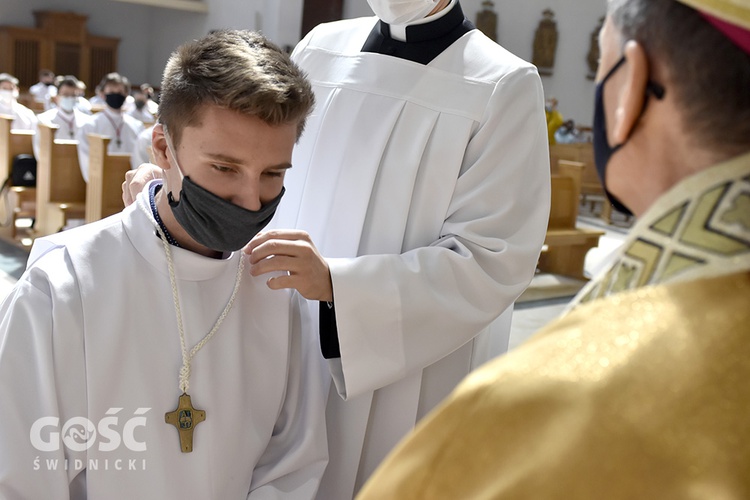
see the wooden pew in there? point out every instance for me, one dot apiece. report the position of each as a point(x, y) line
point(565, 244)
point(591, 188)
point(574, 170)
point(28, 100)
point(22, 200)
point(106, 174)
point(60, 188)
point(12, 144)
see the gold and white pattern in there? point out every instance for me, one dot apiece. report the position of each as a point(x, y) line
point(701, 227)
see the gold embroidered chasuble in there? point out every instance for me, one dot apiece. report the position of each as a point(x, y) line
point(643, 393)
point(699, 228)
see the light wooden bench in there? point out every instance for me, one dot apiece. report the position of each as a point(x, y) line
point(60, 188)
point(22, 200)
point(565, 244)
point(106, 174)
point(592, 191)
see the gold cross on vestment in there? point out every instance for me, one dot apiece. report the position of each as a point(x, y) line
point(185, 418)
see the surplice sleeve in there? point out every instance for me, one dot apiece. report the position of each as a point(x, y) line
point(42, 384)
point(399, 313)
point(83, 147)
point(297, 454)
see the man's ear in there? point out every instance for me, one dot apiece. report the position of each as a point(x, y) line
point(159, 147)
point(632, 93)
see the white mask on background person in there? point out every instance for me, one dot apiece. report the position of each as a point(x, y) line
point(402, 11)
point(7, 96)
point(68, 104)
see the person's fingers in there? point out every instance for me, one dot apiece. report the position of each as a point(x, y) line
point(276, 263)
point(308, 288)
point(277, 247)
point(280, 282)
point(135, 180)
point(276, 234)
point(127, 195)
point(288, 234)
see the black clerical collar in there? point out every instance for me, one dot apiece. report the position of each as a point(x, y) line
point(424, 42)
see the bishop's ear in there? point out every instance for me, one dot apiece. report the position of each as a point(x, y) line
point(159, 147)
point(632, 93)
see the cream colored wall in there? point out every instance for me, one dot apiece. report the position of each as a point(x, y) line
point(517, 22)
point(576, 20)
point(149, 34)
point(130, 23)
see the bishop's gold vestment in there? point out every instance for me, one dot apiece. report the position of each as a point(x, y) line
point(643, 393)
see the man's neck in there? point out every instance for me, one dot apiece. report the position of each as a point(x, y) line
point(176, 230)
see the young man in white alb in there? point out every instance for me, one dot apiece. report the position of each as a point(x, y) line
point(138, 359)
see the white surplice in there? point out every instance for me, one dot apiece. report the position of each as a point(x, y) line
point(23, 117)
point(107, 122)
point(90, 332)
point(142, 152)
point(426, 187)
point(43, 93)
point(67, 123)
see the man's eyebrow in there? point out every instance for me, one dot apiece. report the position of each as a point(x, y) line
point(225, 159)
point(280, 166)
point(221, 157)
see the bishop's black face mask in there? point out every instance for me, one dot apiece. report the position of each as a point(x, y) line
point(602, 150)
point(114, 101)
point(213, 221)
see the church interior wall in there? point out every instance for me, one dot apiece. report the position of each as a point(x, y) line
point(149, 34)
point(517, 22)
point(131, 23)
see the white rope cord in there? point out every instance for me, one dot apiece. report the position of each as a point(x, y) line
point(187, 357)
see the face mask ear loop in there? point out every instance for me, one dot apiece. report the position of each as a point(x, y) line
point(170, 146)
point(652, 89)
point(609, 74)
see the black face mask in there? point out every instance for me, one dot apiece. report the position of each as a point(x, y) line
point(140, 104)
point(602, 150)
point(216, 223)
point(114, 101)
point(213, 221)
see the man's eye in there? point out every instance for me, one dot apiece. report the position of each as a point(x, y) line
point(275, 173)
point(221, 168)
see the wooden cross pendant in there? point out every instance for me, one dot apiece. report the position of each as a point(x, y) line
point(185, 418)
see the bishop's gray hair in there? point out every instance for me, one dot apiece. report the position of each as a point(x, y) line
point(709, 74)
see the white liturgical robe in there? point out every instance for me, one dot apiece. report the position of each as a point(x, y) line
point(426, 187)
point(89, 338)
point(121, 127)
point(23, 117)
point(67, 123)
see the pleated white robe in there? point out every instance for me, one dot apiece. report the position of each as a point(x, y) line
point(427, 190)
point(90, 332)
